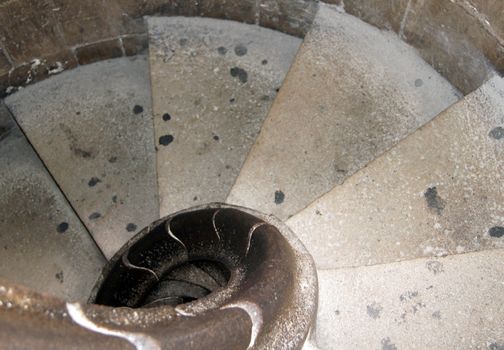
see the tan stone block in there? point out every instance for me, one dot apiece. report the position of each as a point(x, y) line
point(84, 21)
point(290, 16)
point(242, 11)
point(29, 29)
point(99, 51)
point(135, 8)
point(135, 44)
point(5, 65)
point(383, 14)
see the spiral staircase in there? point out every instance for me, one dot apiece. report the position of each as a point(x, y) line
point(385, 162)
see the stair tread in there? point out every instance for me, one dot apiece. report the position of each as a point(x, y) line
point(92, 127)
point(213, 82)
point(42, 242)
point(352, 93)
point(456, 302)
point(437, 192)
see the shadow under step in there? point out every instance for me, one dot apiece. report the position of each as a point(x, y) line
point(92, 127)
point(43, 244)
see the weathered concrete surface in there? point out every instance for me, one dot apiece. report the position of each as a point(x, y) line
point(352, 93)
point(438, 192)
point(455, 302)
point(43, 245)
point(213, 83)
point(93, 129)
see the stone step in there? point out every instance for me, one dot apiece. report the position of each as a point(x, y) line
point(352, 93)
point(43, 244)
point(213, 82)
point(456, 302)
point(438, 192)
point(92, 127)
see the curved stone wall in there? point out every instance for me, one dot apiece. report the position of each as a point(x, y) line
point(462, 39)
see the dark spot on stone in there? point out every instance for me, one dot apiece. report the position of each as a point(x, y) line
point(374, 310)
point(222, 50)
point(434, 266)
point(418, 82)
point(239, 73)
point(436, 315)
point(265, 98)
point(277, 89)
point(233, 100)
point(195, 198)
point(228, 166)
point(433, 200)
point(264, 62)
point(183, 42)
point(408, 295)
point(337, 312)
point(166, 117)
point(165, 140)
point(131, 227)
point(93, 182)
point(240, 50)
point(216, 138)
point(59, 276)
point(496, 346)
point(138, 109)
point(387, 344)
point(112, 159)
point(279, 197)
point(496, 232)
point(318, 212)
point(3, 130)
point(94, 216)
point(497, 133)
point(62, 227)
point(75, 146)
point(81, 153)
point(114, 199)
point(78, 113)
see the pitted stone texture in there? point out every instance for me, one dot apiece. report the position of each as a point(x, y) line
point(43, 245)
point(440, 191)
point(455, 302)
point(93, 129)
point(353, 92)
point(213, 83)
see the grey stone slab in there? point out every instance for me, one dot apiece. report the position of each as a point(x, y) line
point(352, 93)
point(92, 127)
point(43, 244)
point(440, 191)
point(213, 82)
point(455, 302)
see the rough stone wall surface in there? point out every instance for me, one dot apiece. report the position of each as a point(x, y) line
point(41, 38)
point(462, 39)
